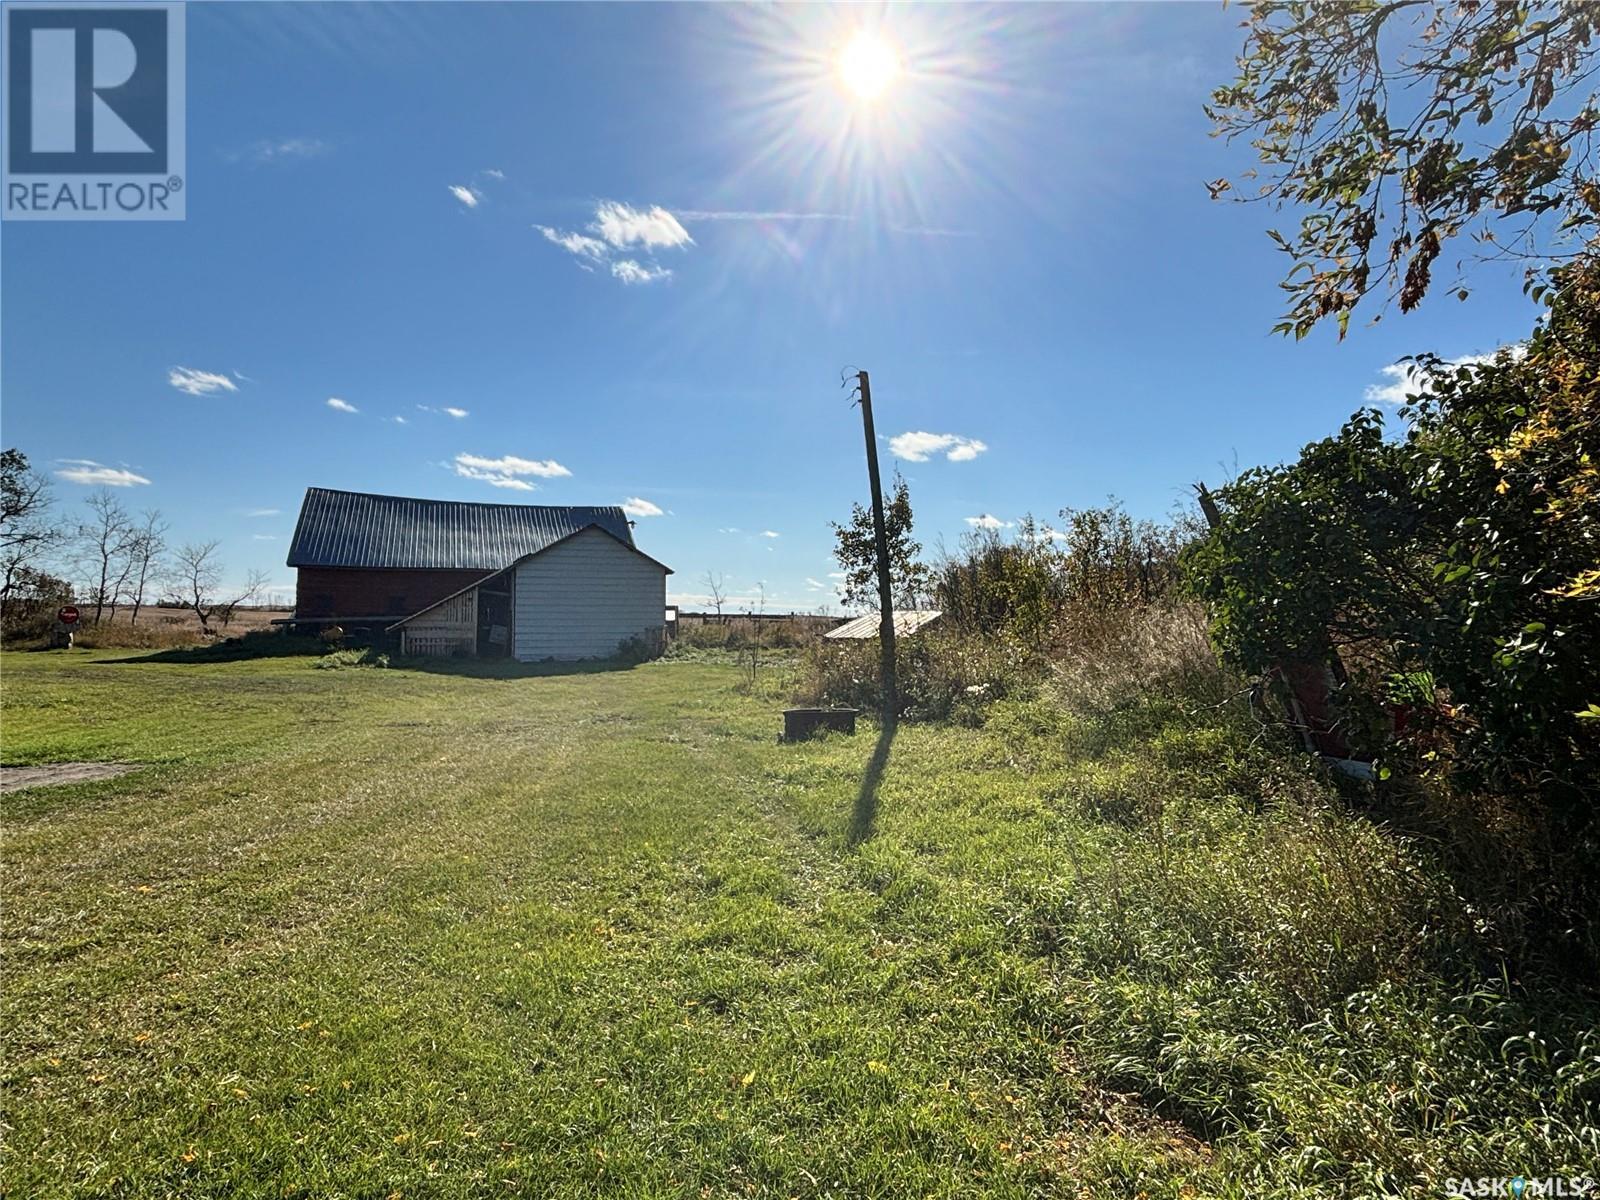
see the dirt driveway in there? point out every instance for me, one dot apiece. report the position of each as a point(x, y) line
point(14, 779)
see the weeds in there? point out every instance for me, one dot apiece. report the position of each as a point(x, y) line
point(343, 659)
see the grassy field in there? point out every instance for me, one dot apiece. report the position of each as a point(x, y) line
point(385, 932)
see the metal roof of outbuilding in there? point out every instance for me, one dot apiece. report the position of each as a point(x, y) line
point(357, 529)
point(907, 621)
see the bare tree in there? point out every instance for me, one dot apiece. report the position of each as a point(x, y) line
point(149, 544)
point(197, 574)
point(104, 541)
point(26, 531)
point(716, 591)
point(753, 662)
point(255, 583)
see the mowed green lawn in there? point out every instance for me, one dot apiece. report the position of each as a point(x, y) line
point(374, 932)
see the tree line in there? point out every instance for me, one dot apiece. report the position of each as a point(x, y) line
point(103, 558)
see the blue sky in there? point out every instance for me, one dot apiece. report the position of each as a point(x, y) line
point(636, 245)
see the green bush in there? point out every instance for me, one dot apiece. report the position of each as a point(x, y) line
point(343, 659)
point(1462, 553)
point(1451, 570)
point(28, 610)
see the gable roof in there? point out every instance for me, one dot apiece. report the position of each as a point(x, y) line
point(476, 582)
point(358, 529)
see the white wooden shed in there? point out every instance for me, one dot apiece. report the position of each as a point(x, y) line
point(583, 596)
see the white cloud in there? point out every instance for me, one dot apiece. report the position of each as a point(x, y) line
point(92, 474)
point(1043, 534)
point(399, 420)
point(768, 533)
point(631, 272)
point(729, 529)
point(623, 226)
point(494, 480)
point(966, 451)
point(457, 413)
point(339, 405)
point(510, 464)
point(619, 227)
point(277, 150)
point(264, 537)
point(574, 243)
point(508, 471)
point(1404, 379)
point(836, 575)
point(636, 506)
point(987, 521)
point(199, 383)
point(493, 173)
point(470, 196)
point(262, 512)
point(1400, 378)
point(815, 585)
point(919, 446)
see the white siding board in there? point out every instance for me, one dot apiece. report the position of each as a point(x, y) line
point(450, 627)
point(583, 597)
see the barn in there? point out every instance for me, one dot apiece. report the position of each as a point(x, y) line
point(448, 577)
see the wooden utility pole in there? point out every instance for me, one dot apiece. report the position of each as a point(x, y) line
point(880, 537)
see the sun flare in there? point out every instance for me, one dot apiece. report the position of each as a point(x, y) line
point(868, 66)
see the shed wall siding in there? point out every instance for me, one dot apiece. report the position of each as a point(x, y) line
point(581, 598)
point(448, 628)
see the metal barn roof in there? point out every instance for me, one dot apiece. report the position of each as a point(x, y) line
point(907, 621)
point(356, 529)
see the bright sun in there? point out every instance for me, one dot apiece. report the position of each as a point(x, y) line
point(868, 65)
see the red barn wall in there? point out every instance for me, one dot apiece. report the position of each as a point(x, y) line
point(352, 592)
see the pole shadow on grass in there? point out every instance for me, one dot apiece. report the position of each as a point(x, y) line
point(864, 816)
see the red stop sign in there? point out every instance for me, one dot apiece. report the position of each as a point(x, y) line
point(67, 615)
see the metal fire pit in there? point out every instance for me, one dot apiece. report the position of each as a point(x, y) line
point(802, 723)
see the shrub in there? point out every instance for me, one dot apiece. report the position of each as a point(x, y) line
point(637, 650)
point(1452, 570)
point(1083, 604)
point(943, 674)
point(1462, 554)
point(28, 611)
point(343, 659)
point(1063, 588)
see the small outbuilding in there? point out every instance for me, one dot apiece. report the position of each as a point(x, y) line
point(457, 578)
point(908, 622)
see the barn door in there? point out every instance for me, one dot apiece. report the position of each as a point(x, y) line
point(494, 617)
